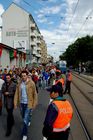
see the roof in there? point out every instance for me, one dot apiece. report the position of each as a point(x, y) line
point(9, 48)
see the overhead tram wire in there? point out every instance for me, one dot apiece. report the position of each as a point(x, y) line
point(83, 23)
point(27, 3)
point(73, 15)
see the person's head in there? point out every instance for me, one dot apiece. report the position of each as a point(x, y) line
point(33, 72)
point(58, 72)
point(24, 75)
point(5, 71)
point(68, 70)
point(8, 77)
point(10, 71)
point(0, 70)
point(55, 91)
point(29, 76)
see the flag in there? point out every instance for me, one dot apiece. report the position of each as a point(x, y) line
point(11, 54)
point(15, 54)
point(0, 52)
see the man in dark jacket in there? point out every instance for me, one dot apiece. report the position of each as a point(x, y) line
point(58, 116)
point(8, 90)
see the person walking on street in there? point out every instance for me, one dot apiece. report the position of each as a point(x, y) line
point(68, 82)
point(26, 98)
point(1, 83)
point(35, 79)
point(8, 90)
point(58, 116)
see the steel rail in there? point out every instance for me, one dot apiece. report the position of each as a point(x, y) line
point(88, 137)
point(90, 101)
point(84, 80)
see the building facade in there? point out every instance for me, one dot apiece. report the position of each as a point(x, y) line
point(21, 32)
point(44, 59)
point(49, 58)
point(11, 57)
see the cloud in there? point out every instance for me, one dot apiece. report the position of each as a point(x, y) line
point(43, 20)
point(47, 12)
point(52, 1)
point(17, 1)
point(55, 9)
point(73, 24)
point(1, 11)
point(55, 43)
point(51, 22)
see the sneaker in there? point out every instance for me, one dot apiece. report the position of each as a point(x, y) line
point(29, 123)
point(24, 138)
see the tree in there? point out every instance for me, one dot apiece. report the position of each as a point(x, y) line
point(80, 51)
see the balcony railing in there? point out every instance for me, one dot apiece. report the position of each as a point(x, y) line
point(38, 55)
point(38, 49)
point(32, 34)
point(38, 42)
point(33, 43)
point(39, 36)
point(32, 26)
point(34, 52)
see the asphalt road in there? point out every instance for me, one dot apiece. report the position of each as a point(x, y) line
point(35, 130)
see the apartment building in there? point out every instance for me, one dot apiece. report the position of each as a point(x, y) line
point(21, 32)
point(50, 58)
point(44, 59)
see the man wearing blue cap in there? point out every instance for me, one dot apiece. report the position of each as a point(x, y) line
point(58, 116)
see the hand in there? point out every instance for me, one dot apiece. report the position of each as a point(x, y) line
point(6, 93)
point(15, 106)
point(34, 106)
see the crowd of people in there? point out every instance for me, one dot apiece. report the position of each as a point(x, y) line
point(19, 88)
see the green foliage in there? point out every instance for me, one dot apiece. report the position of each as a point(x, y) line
point(80, 51)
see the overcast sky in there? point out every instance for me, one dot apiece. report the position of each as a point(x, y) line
point(61, 22)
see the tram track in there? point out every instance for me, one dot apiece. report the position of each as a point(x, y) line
point(80, 107)
point(90, 101)
point(84, 79)
point(82, 123)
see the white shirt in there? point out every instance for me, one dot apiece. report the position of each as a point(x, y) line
point(1, 83)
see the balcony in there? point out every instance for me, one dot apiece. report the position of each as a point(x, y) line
point(39, 36)
point(32, 26)
point(38, 49)
point(38, 55)
point(38, 42)
point(34, 60)
point(32, 43)
point(32, 34)
point(34, 52)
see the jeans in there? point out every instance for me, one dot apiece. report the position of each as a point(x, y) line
point(68, 87)
point(10, 119)
point(26, 115)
